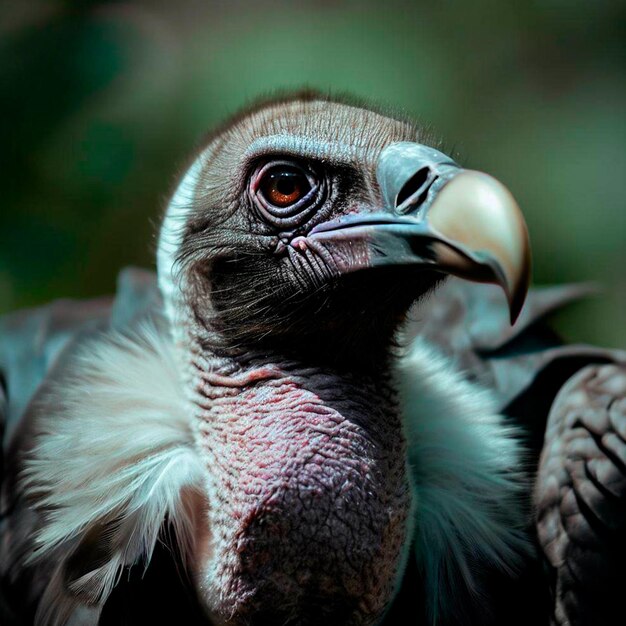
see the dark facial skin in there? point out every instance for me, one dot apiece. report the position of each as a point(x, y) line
point(254, 287)
point(289, 369)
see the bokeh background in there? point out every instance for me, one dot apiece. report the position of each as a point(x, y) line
point(102, 102)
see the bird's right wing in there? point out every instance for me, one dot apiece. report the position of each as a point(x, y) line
point(32, 340)
point(35, 346)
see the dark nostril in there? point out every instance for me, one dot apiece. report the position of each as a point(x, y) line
point(413, 185)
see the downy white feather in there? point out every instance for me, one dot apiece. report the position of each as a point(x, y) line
point(469, 489)
point(112, 458)
point(115, 453)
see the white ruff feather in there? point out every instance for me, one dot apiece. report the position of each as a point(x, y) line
point(172, 230)
point(465, 466)
point(111, 461)
point(114, 456)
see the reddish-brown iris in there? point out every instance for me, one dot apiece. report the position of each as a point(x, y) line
point(284, 185)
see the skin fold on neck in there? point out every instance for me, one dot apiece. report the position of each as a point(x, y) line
point(307, 486)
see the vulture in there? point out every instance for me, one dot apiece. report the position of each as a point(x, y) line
point(299, 420)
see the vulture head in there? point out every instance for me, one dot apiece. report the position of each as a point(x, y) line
point(289, 255)
point(302, 214)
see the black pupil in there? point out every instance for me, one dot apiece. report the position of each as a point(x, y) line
point(288, 182)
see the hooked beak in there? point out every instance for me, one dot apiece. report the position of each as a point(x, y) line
point(443, 217)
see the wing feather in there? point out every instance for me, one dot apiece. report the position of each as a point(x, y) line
point(580, 495)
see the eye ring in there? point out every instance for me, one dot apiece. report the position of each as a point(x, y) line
point(305, 187)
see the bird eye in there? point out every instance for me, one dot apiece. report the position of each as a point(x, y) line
point(286, 193)
point(283, 185)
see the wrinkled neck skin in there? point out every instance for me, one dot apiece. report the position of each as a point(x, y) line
point(307, 489)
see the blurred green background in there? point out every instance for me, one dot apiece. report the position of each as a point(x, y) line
point(102, 102)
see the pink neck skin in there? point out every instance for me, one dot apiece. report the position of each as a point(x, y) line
point(307, 491)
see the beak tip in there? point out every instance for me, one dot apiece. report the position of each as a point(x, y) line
point(516, 294)
point(516, 303)
point(477, 212)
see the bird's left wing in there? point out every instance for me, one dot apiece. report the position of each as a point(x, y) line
point(581, 495)
point(531, 378)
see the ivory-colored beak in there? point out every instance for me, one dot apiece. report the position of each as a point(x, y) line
point(440, 217)
point(477, 212)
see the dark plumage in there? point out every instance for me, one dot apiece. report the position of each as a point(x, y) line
point(307, 452)
point(581, 494)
